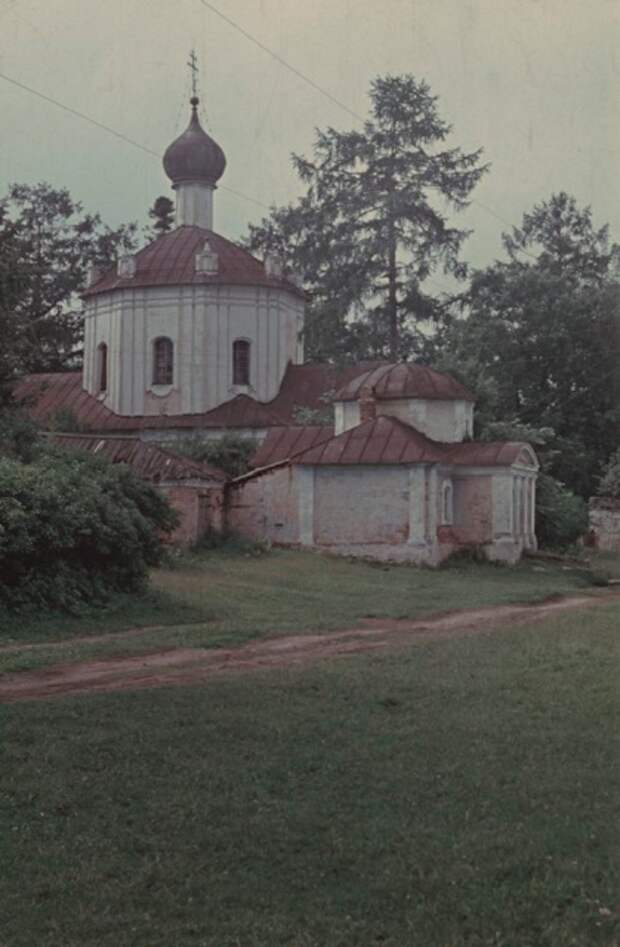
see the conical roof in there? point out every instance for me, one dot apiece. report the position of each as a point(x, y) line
point(194, 155)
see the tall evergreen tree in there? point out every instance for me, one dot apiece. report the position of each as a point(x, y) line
point(373, 225)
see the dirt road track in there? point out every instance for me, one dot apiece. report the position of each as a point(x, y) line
point(191, 666)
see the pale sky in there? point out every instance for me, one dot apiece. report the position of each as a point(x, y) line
point(534, 82)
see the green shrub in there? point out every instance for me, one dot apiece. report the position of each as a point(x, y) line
point(19, 436)
point(561, 516)
point(230, 452)
point(74, 528)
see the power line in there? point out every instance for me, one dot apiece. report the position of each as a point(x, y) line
point(283, 62)
point(112, 131)
point(325, 92)
point(136, 144)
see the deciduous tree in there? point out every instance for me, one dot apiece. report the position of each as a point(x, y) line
point(541, 337)
point(47, 243)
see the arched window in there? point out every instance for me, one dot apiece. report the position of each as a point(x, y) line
point(163, 361)
point(241, 362)
point(102, 366)
point(446, 504)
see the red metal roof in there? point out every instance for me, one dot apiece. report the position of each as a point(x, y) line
point(302, 387)
point(150, 461)
point(170, 261)
point(387, 440)
point(282, 443)
point(489, 453)
point(382, 440)
point(405, 380)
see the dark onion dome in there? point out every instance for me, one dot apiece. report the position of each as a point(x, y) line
point(194, 156)
point(405, 380)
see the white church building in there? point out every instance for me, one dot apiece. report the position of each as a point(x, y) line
point(194, 335)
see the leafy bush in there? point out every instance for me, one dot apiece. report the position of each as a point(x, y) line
point(19, 436)
point(230, 452)
point(609, 485)
point(561, 516)
point(74, 528)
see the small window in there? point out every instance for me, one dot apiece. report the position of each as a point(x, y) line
point(102, 367)
point(163, 362)
point(241, 362)
point(446, 505)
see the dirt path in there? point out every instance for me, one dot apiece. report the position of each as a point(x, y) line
point(184, 666)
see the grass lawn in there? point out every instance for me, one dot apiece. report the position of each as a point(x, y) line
point(459, 793)
point(225, 598)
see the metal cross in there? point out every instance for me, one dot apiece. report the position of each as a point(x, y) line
point(193, 65)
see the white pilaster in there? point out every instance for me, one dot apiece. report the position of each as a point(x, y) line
point(417, 506)
point(306, 505)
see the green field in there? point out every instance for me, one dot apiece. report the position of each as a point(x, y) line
point(458, 793)
point(226, 598)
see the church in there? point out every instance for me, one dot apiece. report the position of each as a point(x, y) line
point(192, 335)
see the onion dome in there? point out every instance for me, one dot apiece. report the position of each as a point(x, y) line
point(194, 156)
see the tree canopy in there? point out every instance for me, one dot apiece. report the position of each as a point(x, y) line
point(47, 243)
point(373, 225)
point(541, 338)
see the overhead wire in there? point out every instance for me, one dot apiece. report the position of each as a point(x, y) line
point(112, 131)
point(332, 98)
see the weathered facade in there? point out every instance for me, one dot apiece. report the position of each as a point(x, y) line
point(383, 490)
point(605, 524)
point(194, 336)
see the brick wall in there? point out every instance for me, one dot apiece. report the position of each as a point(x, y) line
point(200, 508)
point(605, 524)
point(361, 505)
point(266, 507)
point(473, 509)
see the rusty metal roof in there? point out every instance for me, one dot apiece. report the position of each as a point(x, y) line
point(490, 453)
point(405, 380)
point(387, 440)
point(282, 443)
point(170, 261)
point(150, 461)
point(303, 386)
point(382, 440)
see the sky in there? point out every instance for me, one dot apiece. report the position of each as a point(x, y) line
point(532, 82)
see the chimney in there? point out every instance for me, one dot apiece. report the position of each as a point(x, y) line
point(367, 403)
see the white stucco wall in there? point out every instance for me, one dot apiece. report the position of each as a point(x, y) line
point(447, 421)
point(203, 322)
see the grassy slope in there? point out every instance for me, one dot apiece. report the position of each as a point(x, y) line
point(461, 793)
point(223, 599)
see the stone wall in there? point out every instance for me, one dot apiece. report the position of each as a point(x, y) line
point(605, 524)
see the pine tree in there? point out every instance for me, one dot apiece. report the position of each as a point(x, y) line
point(371, 226)
point(162, 215)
